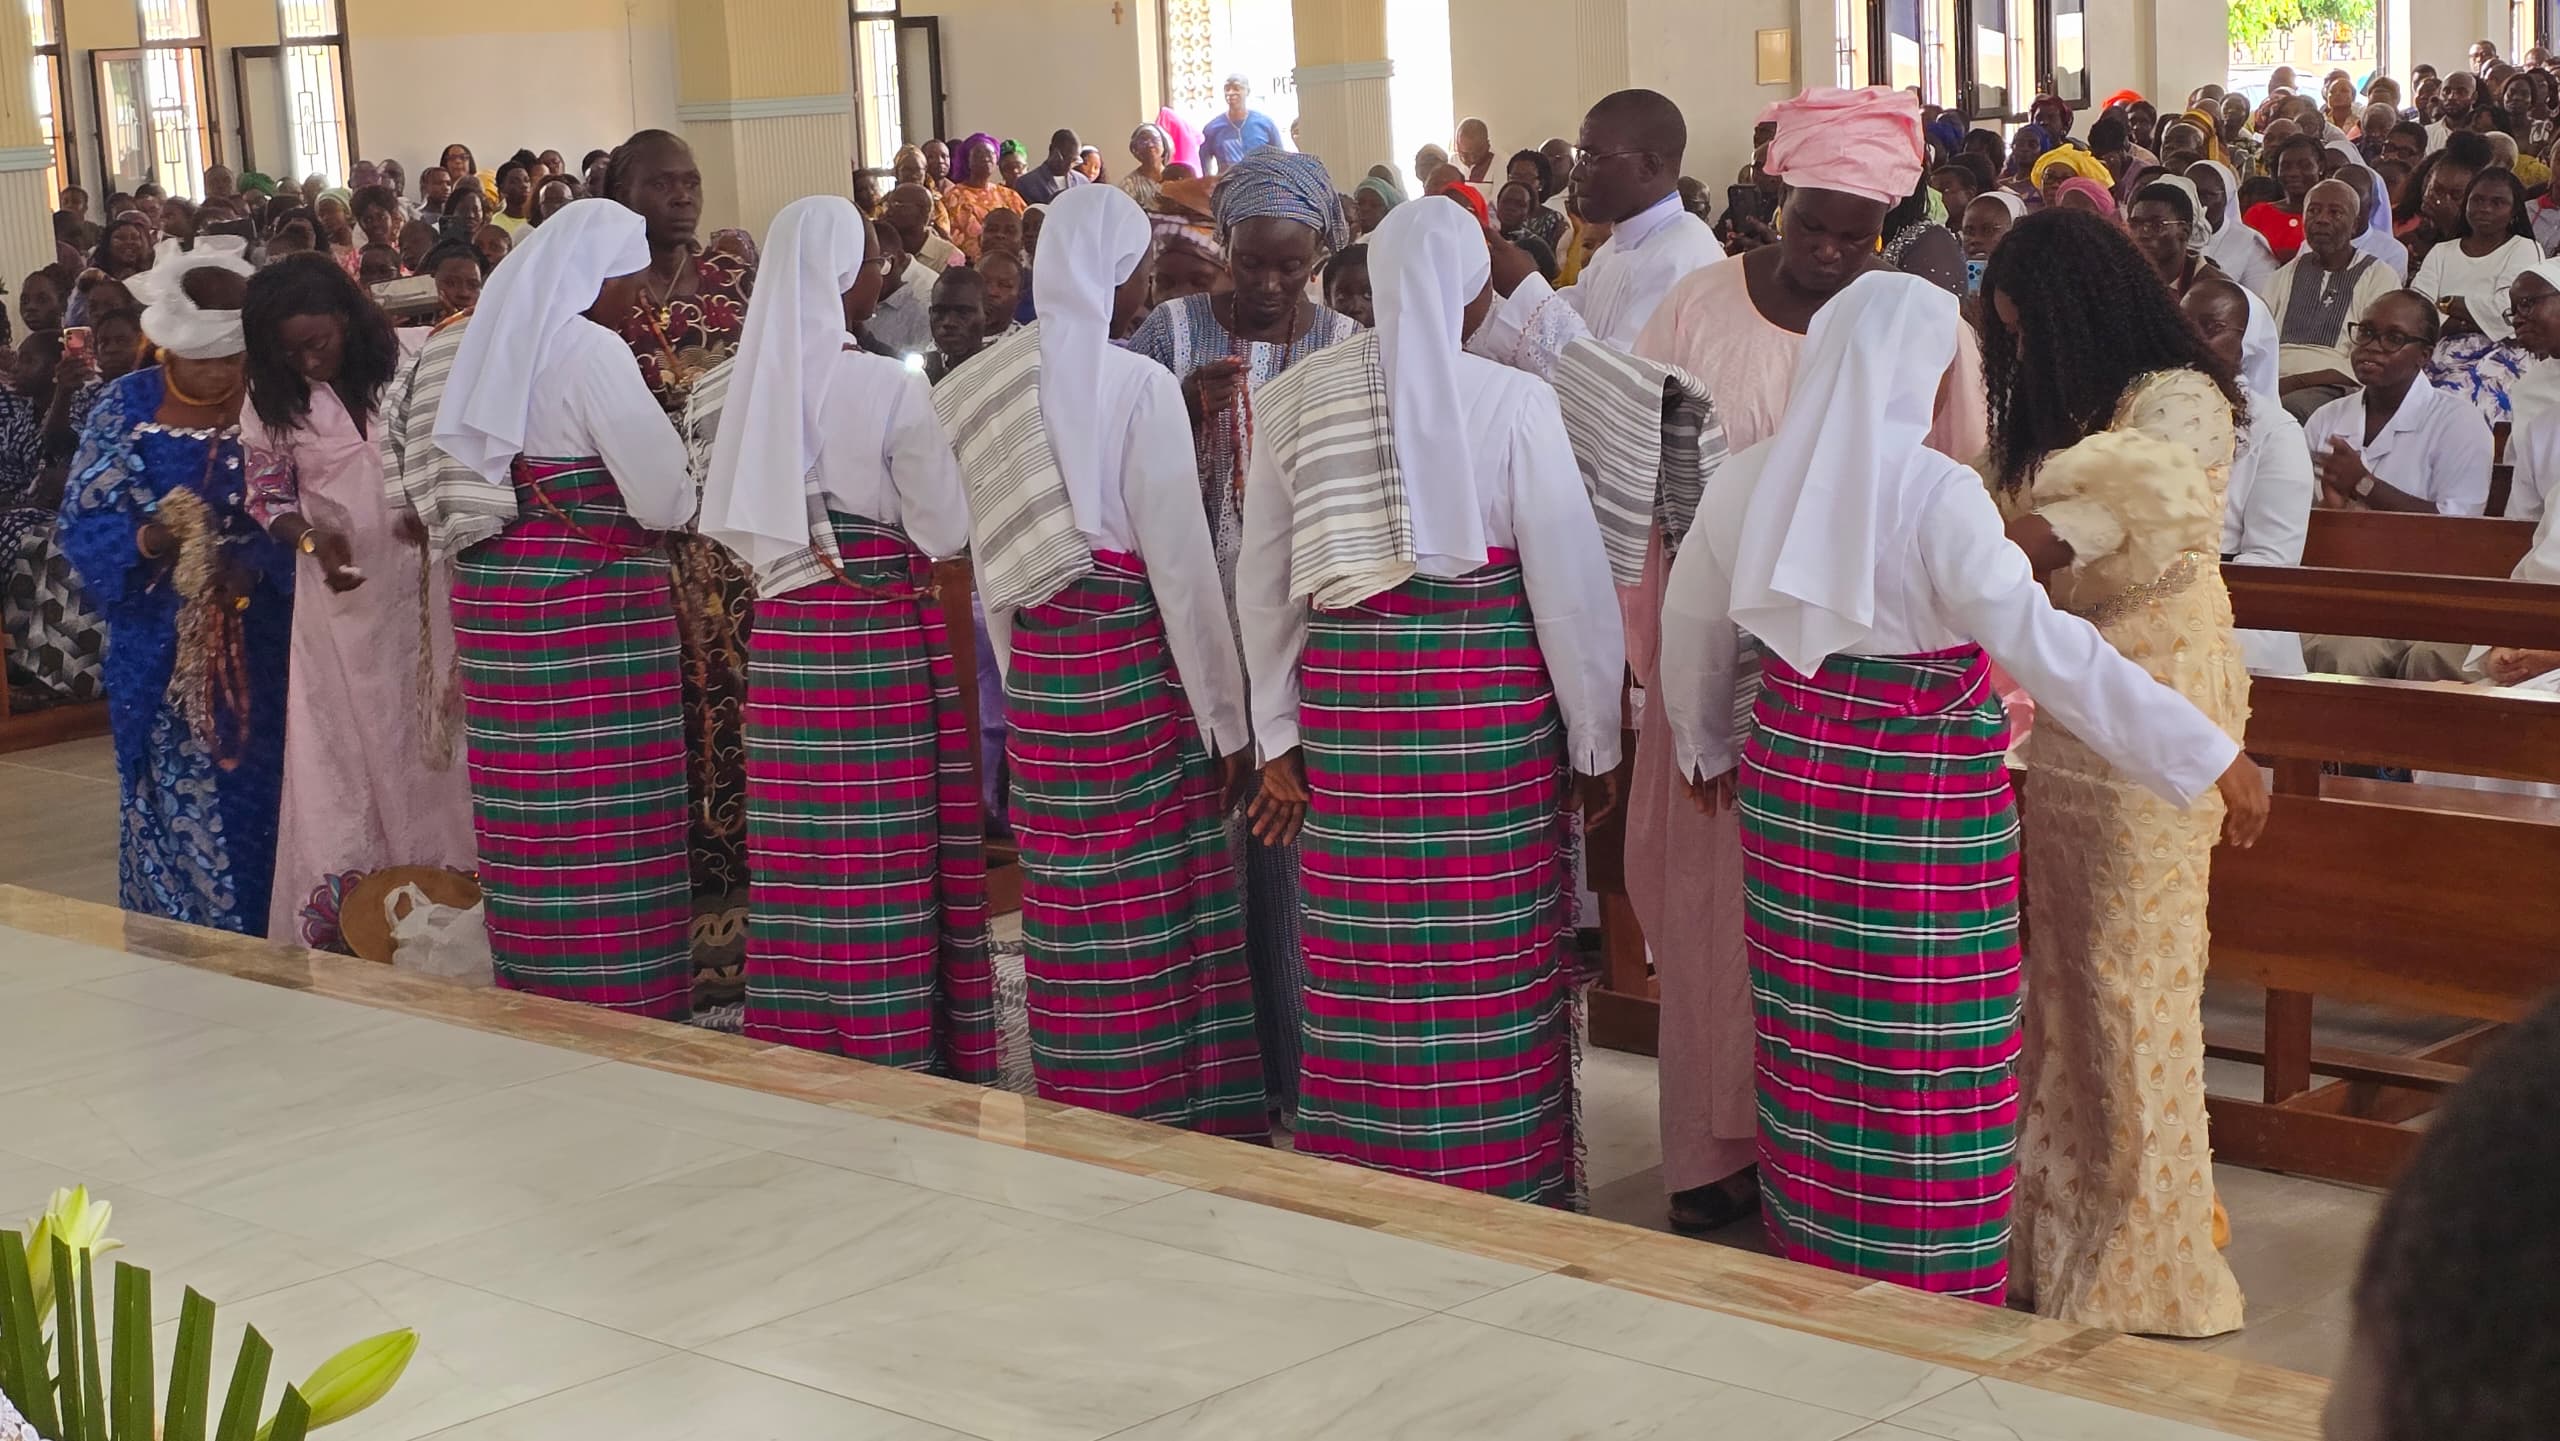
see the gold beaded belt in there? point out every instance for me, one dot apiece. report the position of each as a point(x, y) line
point(2181, 573)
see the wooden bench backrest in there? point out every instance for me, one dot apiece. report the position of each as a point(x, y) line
point(2395, 607)
point(2385, 894)
point(2416, 544)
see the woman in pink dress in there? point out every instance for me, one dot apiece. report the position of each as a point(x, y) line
point(1739, 328)
point(372, 753)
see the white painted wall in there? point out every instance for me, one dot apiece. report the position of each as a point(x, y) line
point(1700, 54)
point(573, 89)
point(1508, 66)
point(1018, 69)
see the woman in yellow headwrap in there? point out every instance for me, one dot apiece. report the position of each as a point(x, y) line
point(2080, 163)
point(2211, 125)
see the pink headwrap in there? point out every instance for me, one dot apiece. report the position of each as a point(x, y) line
point(1861, 142)
point(2098, 195)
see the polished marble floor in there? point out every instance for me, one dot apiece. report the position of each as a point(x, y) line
point(593, 1243)
point(613, 1228)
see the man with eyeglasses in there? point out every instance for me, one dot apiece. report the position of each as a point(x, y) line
point(2317, 297)
point(1628, 177)
point(2398, 444)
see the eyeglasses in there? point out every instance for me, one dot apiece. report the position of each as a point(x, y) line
point(2383, 339)
point(2519, 309)
point(2156, 225)
point(1588, 156)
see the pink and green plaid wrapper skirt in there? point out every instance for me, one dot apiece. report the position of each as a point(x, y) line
point(1439, 903)
point(1134, 937)
point(868, 933)
point(1880, 885)
point(566, 630)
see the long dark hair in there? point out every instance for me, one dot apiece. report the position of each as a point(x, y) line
point(2092, 320)
point(314, 284)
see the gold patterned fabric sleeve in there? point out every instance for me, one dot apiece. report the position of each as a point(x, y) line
point(2136, 499)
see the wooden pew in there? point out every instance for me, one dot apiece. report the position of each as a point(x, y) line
point(2416, 898)
point(2416, 544)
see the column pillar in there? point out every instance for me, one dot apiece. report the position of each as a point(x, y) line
point(1345, 117)
point(765, 95)
point(26, 209)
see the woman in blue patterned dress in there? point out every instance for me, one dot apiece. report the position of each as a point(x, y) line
point(1277, 217)
point(198, 603)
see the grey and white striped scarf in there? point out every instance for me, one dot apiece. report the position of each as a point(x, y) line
point(1326, 420)
point(458, 504)
point(1645, 437)
point(703, 407)
point(1022, 527)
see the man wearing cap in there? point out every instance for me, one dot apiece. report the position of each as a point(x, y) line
point(1238, 131)
point(1847, 157)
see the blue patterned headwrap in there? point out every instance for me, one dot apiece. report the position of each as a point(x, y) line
point(1284, 183)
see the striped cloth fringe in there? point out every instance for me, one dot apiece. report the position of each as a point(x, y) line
point(1140, 1000)
point(1022, 527)
point(868, 933)
point(1440, 902)
point(704, 404)
point(1645, 436)
point(1880, 887)
point(1326, 419)
point(457, 504)
point(566, 629)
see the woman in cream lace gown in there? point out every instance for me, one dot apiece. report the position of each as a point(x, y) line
point(2111, 436)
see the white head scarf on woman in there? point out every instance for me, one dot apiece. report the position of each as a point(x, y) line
point(2230, 199)
point(549, 281)
point(1848, 472)
point(755, 499)
point(2537, 394)
point(1095, 239)
point(1426, 262)
point(170, 319)
point(2376, 239)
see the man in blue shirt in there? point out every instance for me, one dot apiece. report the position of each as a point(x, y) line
point(1056, 175)
point(1230, 137)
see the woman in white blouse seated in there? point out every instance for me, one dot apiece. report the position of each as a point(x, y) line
point(830, 475)
point(2534, 447)
point(1422, 693)
point(2467, 278)
point(565, 623)
point(1879, 839)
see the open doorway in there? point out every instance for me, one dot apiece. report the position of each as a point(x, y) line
point(2313, 37)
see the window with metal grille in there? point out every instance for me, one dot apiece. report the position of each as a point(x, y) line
point(52, 98)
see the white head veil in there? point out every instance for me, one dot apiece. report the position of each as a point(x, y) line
point(2198, 233)
point(2230, 199)
point(548, 281)
point(170, 319)
point(2538, 393)
point(1426, 262)
point(754, 500)
point(1095, 239)
point(1848, 472)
